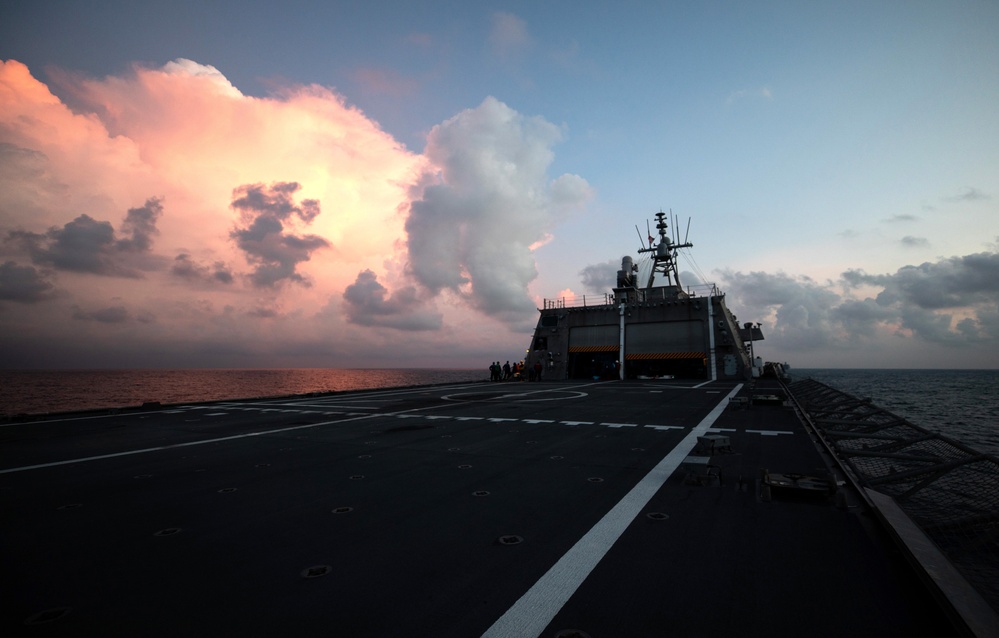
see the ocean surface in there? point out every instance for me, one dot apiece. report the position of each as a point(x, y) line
point(961, 404)
point(46, 391)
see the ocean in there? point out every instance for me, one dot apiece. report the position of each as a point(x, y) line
point(47, 391)
point(961, 404)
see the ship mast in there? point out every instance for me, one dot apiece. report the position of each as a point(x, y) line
point(664, 254)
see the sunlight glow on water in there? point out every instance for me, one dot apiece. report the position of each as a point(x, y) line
point(35, 392)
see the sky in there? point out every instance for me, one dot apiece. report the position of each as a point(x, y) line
point(396, 184)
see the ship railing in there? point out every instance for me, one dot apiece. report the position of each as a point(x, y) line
point(641, 295)
point(950, 491)
point(704, 290)
point(582, 301)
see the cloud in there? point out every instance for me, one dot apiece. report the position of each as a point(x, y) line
point(508, 36)
point(368, 305)
point(602, 277)
point(970, 195)
point(88, 245)
point(24, 284)
point(186, 268)
point(274, 254)
point(953, 302)
point(373, 81)
point(956, 282)
point(914, 242)
point(209, 258)
point(901, 218)
point(762, 93)
point(140, 226)
point(111, 314)
point(484, 200)
point(798, 308)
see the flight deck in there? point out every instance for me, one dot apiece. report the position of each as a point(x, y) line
point(604, 508)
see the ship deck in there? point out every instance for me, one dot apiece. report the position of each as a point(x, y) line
point(501, 509)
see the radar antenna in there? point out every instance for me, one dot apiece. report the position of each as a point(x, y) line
point(664, 254)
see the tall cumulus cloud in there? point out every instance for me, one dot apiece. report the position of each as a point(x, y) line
point(484, 203)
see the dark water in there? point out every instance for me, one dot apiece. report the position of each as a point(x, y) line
point(961, 404)
point(38, 391)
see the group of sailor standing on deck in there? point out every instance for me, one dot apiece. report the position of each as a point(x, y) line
point(514, 371)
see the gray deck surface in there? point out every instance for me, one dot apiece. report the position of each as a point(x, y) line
point(441, 482)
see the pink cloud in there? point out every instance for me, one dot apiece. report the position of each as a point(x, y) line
point(223, 229)
point(183, 137)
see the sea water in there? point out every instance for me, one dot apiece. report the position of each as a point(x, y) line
point(47, 391)
point(960, 404)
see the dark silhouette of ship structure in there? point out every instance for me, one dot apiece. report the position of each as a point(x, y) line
point(660, 481)
point(646, 331)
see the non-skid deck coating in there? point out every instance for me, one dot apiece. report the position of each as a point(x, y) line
point(513, 509)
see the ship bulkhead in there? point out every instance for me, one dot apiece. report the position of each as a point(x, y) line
point(663, 335)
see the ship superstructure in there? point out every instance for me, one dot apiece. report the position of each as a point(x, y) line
point(650, 328)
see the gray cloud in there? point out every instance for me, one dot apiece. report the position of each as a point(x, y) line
point(187, 269)
point(970, 195)
point(894, 219)
point(140, 226)
point(111, 314)
point(956, 282)
point(602, 277)
point(802, 306)
point(273, 253)
point(473, 221)
point(88, 245)
point(368, 304)
point(914, 242)
point(23, 283)
point(953, 302)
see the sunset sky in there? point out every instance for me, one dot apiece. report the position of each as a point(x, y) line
point(396, 184)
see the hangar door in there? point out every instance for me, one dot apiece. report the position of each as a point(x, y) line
point(677, 348)
point(593, 351)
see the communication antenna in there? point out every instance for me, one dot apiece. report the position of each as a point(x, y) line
point(687, 234)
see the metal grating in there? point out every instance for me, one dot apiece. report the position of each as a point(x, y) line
point(950, 490)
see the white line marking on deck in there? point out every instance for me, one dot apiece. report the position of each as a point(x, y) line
point(770, 432)
point(665, 427)
point(217, 414)
point(500, 420)
point(177, 445)
point(655, 391)
point(535, 609)
point(468, 418)
point(620, 425)
point(722, 430)
point(536, 421)
point(577, 422)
